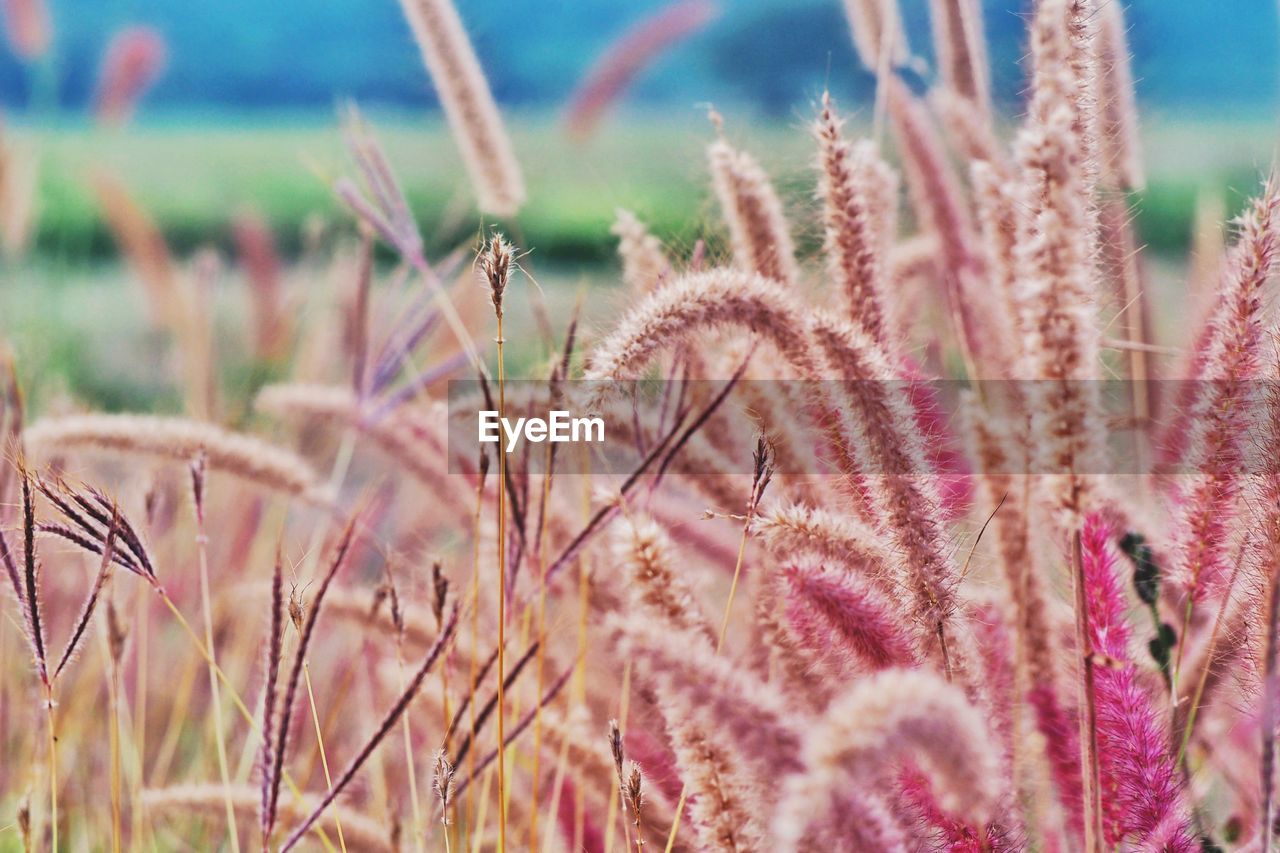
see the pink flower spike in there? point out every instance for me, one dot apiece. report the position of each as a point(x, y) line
point(133, 62)
point(1141, 790)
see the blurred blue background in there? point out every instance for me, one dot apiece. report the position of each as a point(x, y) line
point(301, 56)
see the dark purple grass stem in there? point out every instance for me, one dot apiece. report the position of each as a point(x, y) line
point(702, 418)
point(31, 580)
point(466, 700)
point(91, 600)
point(340, 784)
point(295, 672)
point(415, 386)
point(488, 709)
point(400, 345)
point(525, 722)
point(118, 557)
point(606, 513)
point(274, 648)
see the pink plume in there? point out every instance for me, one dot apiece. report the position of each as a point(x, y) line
point(1141, 788)
point(27, 23)
point(592, 840)
point(845, 620)
point(628, 56)
point(133, 61)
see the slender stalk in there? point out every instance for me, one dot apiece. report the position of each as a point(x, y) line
point(502, 600)
point(1187, 616)
point(541, 659)
point(324, 759)
point(469, 805)
point(1210, 651)
point(53, 766)
point(1089, 710)
point(419, 830)
point(113, 698)
point(236, 700)
point(615, 792)
point(733, 586)
point(215, 694)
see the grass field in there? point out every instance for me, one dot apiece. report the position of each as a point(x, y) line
point(194, 179)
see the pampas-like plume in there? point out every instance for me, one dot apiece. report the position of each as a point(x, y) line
point(939, 204)
point(27, 25)
point(790, 529)
point(876, 27)
point(859, 195)
point(134, 59)
point(1219, 423)
point(886, 438)
point(845, 620)
point(1121, 150)
point(468, 104)
point(723, 804)
point(961, 49)
point(997, 452)
point(896, 714)
point(416, 438)
point(696, 304)
point(181, 440)
point(643, 550)
point(144, 248)
point(758, 228)
point(685, 671)
point(26, 582)
point(995, 199)
point(629, 55)
point(644, 262)
point(360, 831)
point(1141, 786)
point(1057, 289)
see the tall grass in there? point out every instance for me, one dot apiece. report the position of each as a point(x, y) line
point(817, 606)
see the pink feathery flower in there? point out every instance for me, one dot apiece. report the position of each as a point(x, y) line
point(1061, 735)
point(27, 25)
point(592, 839)
point(955, 480)
point(952, 834)
point(134, 59)
point(1218, 426)
point(845, 620)
point(625, 58)
point(1141, 791)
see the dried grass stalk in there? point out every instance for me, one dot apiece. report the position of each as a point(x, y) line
point(859, 195)
point(181, 440)
point(894, 715)
point(758, 227)
point(644, 261)
point(877, 27)
point(961, 49)
point(360, 831)
point(468, 104)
